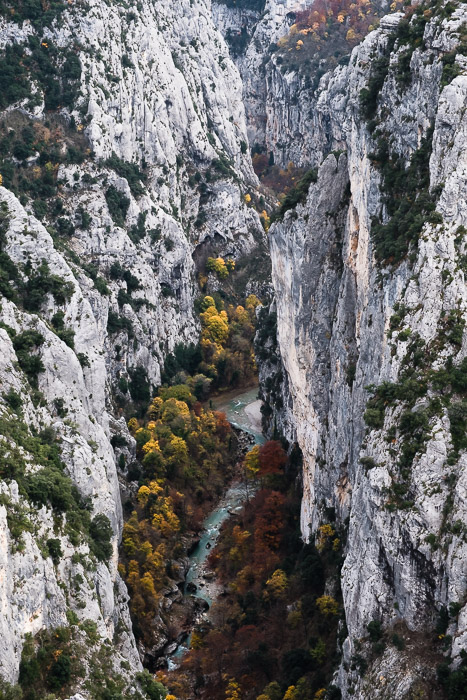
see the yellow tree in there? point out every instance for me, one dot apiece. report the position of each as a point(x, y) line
point(327, 605)
point(277, 584)
point(217, 328)
point(155, 408)
point(291, 693)
point(233, 690)
point(252, 462)
point(325, 532)
point(133, 425)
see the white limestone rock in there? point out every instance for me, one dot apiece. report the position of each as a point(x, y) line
point(334, 302)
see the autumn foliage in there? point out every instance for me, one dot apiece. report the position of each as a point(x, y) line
point(226, 341)
point(272, 635)
point(279, 180)
point(186, 457)
point(328, 29)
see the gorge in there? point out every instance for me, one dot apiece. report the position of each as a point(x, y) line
point(193, 194)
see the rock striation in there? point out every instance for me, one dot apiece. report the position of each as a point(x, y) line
point(349, 320)
point(149, 180)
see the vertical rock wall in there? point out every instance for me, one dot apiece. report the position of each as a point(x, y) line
point(339, 333)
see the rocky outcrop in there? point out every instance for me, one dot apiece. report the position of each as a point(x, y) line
point(356, 317)
point(261, 29)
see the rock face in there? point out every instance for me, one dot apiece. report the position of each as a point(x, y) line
point(158, 186)
point(261, 28)
point(355, 317)
point(145, 178)
point(35, 593)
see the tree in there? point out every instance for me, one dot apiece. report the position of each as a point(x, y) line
point(273, 691)
point(218, 266)
point(269, 522)
point(133, 425)
point(233, 691)
point(277, 584)
point(155, 408)
point(252, 462)
point(327, 605)
point(55, 549)
point(325, 532)
point(291, 693)
point(272, 458)
point(217, 329)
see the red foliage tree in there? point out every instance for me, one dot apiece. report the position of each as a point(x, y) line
point(272, 458)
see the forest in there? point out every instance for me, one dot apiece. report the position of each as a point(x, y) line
point(272, 634)
point(186, 454)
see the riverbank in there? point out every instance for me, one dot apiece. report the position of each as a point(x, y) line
point(242, 410)
point(222, 398)
point(253, 411)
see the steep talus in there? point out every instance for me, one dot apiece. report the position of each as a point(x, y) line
point(368, 303)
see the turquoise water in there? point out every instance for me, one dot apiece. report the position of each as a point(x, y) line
point(235, 412)
point(233, 501)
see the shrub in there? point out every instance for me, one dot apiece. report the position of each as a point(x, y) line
point(101, 286)
point(130, 171)
point(49, 486)
point(375, 631)
point(118, 205)
point(60, 672)
point(40, 283)
point(118, 441)
point(169, 244)
point(116, 323)
point(153, 689)
point(398, 641)
point(65, 227)
point(451, 69)
point(83, 359)
point(368, 463)
point(14, 81)
point(24, 343)
point(138, 231)
point(369, 96)
point(39, 208)
point(374, 418)
point(407, 199)
point(351, 372)
point(13, 400)
point(458, 418)
point(101, 533)
point(55, 549)
point(65, 334)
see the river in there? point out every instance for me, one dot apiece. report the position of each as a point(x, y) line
point(242, 411)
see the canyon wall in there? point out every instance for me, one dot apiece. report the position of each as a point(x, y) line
point(147, 177)
point(352, 317)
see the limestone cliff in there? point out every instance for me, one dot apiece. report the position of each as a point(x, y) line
point(369, 277)
point(124, 141)
point(125, 133)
